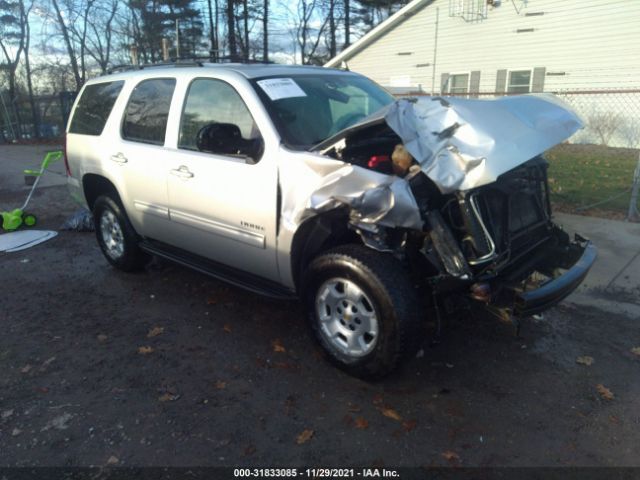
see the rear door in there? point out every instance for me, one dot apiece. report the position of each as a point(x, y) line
point(222, 181)
point(140, 159)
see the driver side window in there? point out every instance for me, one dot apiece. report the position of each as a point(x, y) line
point(216, 120)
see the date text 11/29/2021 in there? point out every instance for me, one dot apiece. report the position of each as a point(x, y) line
point(316, 472)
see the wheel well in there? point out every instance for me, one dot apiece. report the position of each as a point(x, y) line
point(96, 185)
point(318, 234)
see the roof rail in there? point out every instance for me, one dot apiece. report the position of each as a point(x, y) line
point(195, 61)
point(176, 63)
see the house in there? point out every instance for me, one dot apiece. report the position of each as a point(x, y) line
point(587, 51)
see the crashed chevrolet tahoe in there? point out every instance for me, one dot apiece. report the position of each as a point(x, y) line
point(316, 183)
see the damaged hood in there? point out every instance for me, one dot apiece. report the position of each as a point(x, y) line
point(462, 144)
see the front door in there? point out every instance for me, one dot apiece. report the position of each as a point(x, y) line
point(222, 187)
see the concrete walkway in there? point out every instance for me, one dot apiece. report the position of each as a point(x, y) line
point(614, 281)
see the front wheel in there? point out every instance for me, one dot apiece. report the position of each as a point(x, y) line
point(116, 236)
point(363, 310)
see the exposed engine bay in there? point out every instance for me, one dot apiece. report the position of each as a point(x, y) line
point(458, 188)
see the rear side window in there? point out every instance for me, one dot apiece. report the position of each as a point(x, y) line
point(145, 118)
point(94, 107)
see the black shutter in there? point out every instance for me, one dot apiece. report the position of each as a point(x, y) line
point(474, 83)
point(444, 83)
point(501, 81)
point(537, 85)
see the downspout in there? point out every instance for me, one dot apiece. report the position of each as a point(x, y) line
point(435, 54)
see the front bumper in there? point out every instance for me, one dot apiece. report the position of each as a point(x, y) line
point(553, 291)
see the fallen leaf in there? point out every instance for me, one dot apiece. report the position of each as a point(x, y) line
point(25, 369)
point(227, 328)
point(636, 351)
point(61, 422)
point(168, 397)
point(347, 420)
point(377, 399)
point(451, 457)
point(409, 425)
point(212, 301)
point(361, 423)
point(614, 419)
point(304, 437)
point(354, 408)
point(391, 413)
point(220, 385)
point(585, 360)
point(6, 414)
point(102, 338)
point(145, 350)
point(46, 363)
point(277, 346)
point(155, 331)
point(16, 432)
point(112, 460)
point(604, 392)
point(43, 389)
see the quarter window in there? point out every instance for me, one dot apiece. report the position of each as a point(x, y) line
point(215, 119)
point(519, 81)
point(94, 107)
point(145, 118)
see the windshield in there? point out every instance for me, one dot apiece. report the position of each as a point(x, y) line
point(307, 109)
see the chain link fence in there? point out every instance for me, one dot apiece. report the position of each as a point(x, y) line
point(16, 117)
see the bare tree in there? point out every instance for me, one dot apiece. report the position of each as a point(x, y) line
point(32, 104)
point(308, 35)
point(604, 125)
point(66, 35)
point(265, 31)
point(12, 43)
point(99, 40)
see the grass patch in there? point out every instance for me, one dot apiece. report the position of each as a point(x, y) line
point(582, 175)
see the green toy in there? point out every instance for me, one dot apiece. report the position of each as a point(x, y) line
point(14, 219)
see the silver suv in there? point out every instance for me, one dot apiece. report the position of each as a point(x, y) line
point(316, 183)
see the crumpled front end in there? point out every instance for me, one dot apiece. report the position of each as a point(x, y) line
point(469, 211)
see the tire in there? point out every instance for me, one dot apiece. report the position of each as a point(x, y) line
point(116, 236)
point(363, 310)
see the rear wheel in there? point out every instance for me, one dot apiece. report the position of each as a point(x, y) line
point(116, 236)
point(363, 310)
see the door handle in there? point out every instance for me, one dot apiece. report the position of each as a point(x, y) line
point(119, 158)
point(182, 172)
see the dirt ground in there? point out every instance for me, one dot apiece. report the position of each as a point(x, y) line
point(169, 367)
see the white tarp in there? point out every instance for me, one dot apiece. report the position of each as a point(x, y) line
point(23, 239)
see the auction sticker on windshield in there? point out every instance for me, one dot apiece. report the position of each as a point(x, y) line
point(278, 88)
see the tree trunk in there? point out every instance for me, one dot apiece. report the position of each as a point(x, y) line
point(213, 53)
point(347, 24)
point(245, 14)
point(67, 42)
point(34, 114)
point(332, 28)
point(231, 28)
point(265, 32)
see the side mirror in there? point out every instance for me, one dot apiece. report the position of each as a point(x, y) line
point(226, 139)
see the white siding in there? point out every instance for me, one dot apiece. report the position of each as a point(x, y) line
point(583, 44)
point(596, 43)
